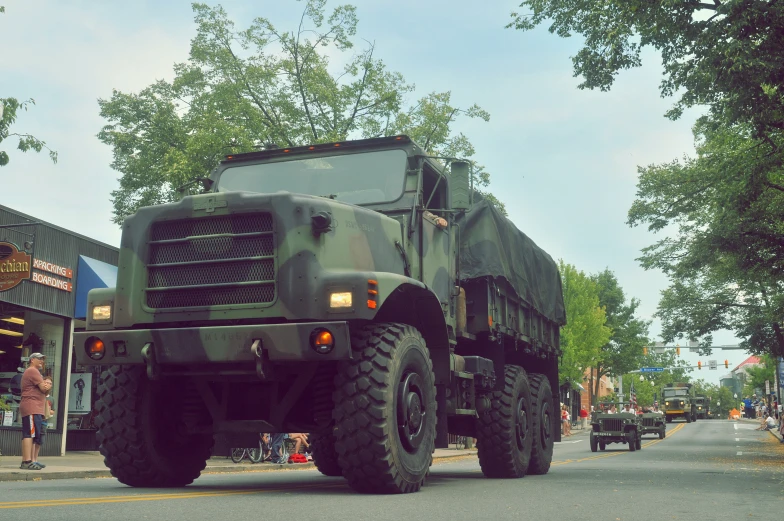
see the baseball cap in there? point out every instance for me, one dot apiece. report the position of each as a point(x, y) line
point(37, 355)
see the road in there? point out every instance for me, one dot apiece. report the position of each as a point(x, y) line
point(706, 470)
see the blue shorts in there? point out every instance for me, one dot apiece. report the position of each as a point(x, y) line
point(32, 427)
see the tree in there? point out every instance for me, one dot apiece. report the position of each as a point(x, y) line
point(726, 262)
point(723, 54)
point(624, 350)
point(9, 109)
point(724, 211)
point(756, 376)
point(242, 89)
point(585, 331)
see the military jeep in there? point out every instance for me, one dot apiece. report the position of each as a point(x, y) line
point(615, 427)
point(653, 423)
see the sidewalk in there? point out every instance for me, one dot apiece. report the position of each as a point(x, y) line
point(90, 465)
point(775, 433)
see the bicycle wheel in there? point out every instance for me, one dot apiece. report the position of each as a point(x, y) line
point(255, 455)
point(237, 455)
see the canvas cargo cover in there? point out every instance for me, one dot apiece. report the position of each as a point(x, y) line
point(491, 245)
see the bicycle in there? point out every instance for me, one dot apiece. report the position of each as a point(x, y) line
point(255, 455)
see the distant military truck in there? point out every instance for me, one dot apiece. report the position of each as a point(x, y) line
point(653, 423)
point(358, 291)
point(617, 427)
point(700, 405)
point(679, 402)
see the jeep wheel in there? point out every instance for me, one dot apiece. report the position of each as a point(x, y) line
point(142, 442)
point(662, 433)
point(594, 443)
point(638, 443)
point(602, 445)
point(503, 433)
point(385, 410)
point(324, 455)
point(631, 439)
point(541, 425)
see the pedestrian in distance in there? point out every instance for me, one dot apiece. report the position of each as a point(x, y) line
point(32, 409)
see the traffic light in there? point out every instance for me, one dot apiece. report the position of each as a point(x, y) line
point(699, 366)
point(726, 364)
point(645, 351)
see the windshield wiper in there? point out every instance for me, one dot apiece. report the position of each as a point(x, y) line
point(330, 196)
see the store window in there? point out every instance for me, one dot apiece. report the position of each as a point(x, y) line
point(23, 332)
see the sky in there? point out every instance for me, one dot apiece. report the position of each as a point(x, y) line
point(563, 160)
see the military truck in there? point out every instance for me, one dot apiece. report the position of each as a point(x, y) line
point(359, 291)
point(615, 427)
point(679, 401)
point(653, 422)
point(700, 405)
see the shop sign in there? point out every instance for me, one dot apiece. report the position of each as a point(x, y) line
point(14, 266)
point(53, 282)
point(53, 268)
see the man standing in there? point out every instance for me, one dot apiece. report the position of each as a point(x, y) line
point(32, 408)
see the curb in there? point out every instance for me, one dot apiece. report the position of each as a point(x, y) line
point(216, 469)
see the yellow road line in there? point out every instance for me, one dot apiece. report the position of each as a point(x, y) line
point(152, 497)
point(611, 454)
point(188, 495)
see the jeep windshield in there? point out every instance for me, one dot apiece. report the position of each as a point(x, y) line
point(360, 178)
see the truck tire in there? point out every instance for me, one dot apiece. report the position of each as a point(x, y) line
point(594, 443)
point(688, 418)
point(138, 437)
point(541, 412)
point(385, 410)
point(325, 457)
point(503, 433)
point(631, 439)
point(662, 433)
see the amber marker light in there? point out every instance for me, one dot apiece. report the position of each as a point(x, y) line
point(95, 348)
point(322, 341)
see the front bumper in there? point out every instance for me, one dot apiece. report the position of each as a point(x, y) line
point(217, 344)
point(673, 412)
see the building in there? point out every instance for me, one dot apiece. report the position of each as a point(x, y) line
point(45, 274)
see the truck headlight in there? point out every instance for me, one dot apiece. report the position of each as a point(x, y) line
point(666, 403)
point(340, 300)
point(102, 313)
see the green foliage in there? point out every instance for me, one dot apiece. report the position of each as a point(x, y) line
point(243, 88)
point(756, 376)
point(585, 332)
point(724, 211)
point(624, 350)
point(725, 262)
point(723, 54)
point(9, 109)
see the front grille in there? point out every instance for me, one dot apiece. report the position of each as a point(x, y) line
point(211, 261)
point(612, 424)
point(649, 422)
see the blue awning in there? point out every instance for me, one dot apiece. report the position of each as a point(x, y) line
point(91, 274)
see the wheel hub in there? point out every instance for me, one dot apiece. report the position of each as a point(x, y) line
point(521, 424)
point(410, 412)
point(545, 424)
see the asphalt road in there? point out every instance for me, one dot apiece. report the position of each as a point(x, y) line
point(706, 470)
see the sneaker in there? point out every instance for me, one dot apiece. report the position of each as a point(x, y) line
point(33, 465)
point(41, 464)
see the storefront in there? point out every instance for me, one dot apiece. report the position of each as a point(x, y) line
point(45, 274)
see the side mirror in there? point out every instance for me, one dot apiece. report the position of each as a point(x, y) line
point(459, 184)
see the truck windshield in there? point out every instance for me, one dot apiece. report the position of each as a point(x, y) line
point(675, 392)
point(361, 178)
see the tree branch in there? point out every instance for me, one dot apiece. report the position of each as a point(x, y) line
point(361, 89)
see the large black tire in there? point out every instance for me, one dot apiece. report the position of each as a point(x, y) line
point(662, 433)
point(385, 410)
point(542, 426)
point(602, 445)
point(688, 418)
point(594, 443)
point(325, 457)
point(503, 433)
point(638, 442)
point(140, 438)
point(631, 439)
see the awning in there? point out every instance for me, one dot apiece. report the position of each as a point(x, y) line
point(91, 274)
point(580, 387)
